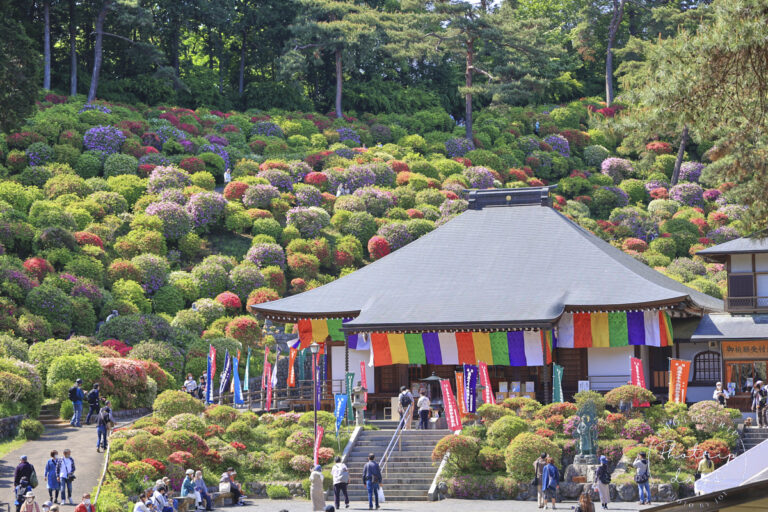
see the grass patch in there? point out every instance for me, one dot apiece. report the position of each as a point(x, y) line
point(7, 447)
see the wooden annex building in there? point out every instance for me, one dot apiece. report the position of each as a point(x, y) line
point(511, 282)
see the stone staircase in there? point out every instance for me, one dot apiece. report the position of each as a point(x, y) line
point(753, 436)
point(409, 472)
point(49, 417)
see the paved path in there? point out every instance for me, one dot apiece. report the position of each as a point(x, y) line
point(88, 463)
point(295, 505)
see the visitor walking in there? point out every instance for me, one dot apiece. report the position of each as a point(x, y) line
point(190, 386)
point(29, 504)
point(585, 504)
point(21, 492)
point(94, 403)
point(202, 490)
point(720, 394)
point(759, 398)
point(372, 480)
point(538, 469)
point(705, 466)
point(104, 424)
point(340, 475)
point(76, 396)
point(642, 477)
point(550, 482)
point(85, 505)
point(602, 481)
point(424, 410)
point(316, 491)
point(46, 507)
point(23, 470)
point(66, 476)
point(406, 399)
point(52, 477)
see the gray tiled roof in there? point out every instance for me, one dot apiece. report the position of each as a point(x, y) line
point(746, 244)
point(724, 326)
point(493, 267)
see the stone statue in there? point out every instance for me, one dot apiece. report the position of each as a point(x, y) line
point(586, 430)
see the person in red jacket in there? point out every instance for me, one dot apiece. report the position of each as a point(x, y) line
point(85, 505)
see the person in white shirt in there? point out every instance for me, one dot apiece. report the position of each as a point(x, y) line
point(141, 504)
point(340, 475)
point(720, 394)
point(190, 385)
point(66, 475)
point(227, 176)
point(161, 502)
point(424, 409)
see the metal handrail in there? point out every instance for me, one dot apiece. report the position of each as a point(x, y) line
point(395, 436)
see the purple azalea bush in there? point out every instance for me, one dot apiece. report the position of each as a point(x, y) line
point(478, 177)
point(217, 139)
point(39, 153)
point(298, 170)
point(528, 145)
point(689, 194)
point(93, 106)
point(168, 132)
point(259, 196)
point(617, 168)
point(277, 178)
point(346, 134)
point(359, 176)
point(637, 221)
point(691, 171)
point(267, 129)
point(104, 138)
point(265, 255)
point(154, 159)
point(622, 199)
point(309, 221)
point(654, 184)
point(723, 234)
point(377, 201)
point(206, 208)
point(167, 177)
point(458, 146)
point(559, 144)
point(307, 195)
point(385, 175)
point(711, 194)
point(174, 195)
point(396, 234)
point(347, 153)
point(218, 150)
point(154, 271)
point(245, 278)
point(176, 221)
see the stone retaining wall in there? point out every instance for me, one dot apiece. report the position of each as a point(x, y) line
point(9, 426)
point(259, 489)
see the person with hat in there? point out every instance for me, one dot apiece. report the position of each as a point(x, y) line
point(29, 504)
point(720, 394)
point(23, 470)
point(759, 398)
point(642, 477)
point(188, 486)
point(316, 491)
point(66, 475)
point(46, 506)
point(202, 490)
point(85, 505)
point(227, 484)
point(21, 492)
point(94, 403)
point(76, 396)
point(52, 476)
point(602, 481)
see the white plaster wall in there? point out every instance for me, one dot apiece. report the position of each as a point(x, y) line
point(609, 361)
point(689, 350)
point(355, 356)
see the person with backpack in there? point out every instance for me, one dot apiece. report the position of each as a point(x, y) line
point(406, 399)
point(104, 424)
point(642, 476)
point(759, 399)
point(94, 402)
point(585, 504)
point(424, 410)
point(21, 491)
point(538, 470)
point(24, 470)
point(602, 481)
point(372, 480)
point(66, 476)
point(52, 476)
point(340, 475)
point(550, 482)
point(76, 396)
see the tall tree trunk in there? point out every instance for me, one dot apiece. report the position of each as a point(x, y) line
point(222, 66)
point(468, 83)
point(241, 76)
point(47, 46)
point(613, 29)
point(680, 154)
point(338, 83)
point(72, 50)
point(97, 49)
point(174, 55)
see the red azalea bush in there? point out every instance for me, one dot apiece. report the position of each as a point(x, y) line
point(403, 178)
point(545, 432)
point(244, 329)
point(658, 147)
point(555, 422)
point(378, 247)
point(192, 164)
point(634, 244)
point(180, 458)
point(235, 190)
point(659, 193)
point(399, 166)
point(119, 469)
point(213, 431)
point(159, 466)
point(118, 346)
point(298, 285)
point(125, 380)
point(718, 451)
point(325, 455)
point(413, 213)
point(185, 441)
point(564, 409)
point(315, 178)
point(342, 259)
point(38, 267)
point(230, 301)
point(261, 295)
point(86, 238)
point(239, 446)
point(160, 376)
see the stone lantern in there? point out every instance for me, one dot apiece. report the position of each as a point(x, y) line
point(358, 404)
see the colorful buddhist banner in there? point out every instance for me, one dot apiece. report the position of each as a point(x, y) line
point(291, 367)
point(557, 383)
point(364, 383)
point(678, 380)
point(319, 330)
point(318, 441)
point(350, 381)
point(264, 369)
point(615, 329)
point(460, 396)
point(637, 378)
point(485, 381)
point(451, 410)
point(470, 387)
point(340, 409)
point(269, 387)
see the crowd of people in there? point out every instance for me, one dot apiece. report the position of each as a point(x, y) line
point(59, 474)
point(340, 474)
point(194, 388)
point(160, 499)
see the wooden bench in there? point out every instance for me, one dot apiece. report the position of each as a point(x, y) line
point(220, 499)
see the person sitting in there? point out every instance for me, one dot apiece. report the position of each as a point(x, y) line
point(202, 491)
point(227, 484)
point(159, 497)
point(188, 487)
point(143, 504)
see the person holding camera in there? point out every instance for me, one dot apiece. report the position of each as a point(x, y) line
point(720, 395)
point(66, 476)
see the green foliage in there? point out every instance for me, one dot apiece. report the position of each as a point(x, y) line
point(523, 450)
point(278, 492)
point(67, 369)
point(463, 451)
point(171, 403)
point(30, 429)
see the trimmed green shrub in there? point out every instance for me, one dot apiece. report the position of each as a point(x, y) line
point(171, 403)
point(523, 450)
point(506, 428)
point(30, 429)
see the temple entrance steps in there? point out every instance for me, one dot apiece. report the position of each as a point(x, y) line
point(753, 436)
point(409, 472)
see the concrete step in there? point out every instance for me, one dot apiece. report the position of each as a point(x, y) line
point(409, 466)
point(361, 459)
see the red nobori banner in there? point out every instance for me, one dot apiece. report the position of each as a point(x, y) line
point(451, 409)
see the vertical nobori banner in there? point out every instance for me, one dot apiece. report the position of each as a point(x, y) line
point(485, 381)
point(237, 391)
point(269, 386)
point(318, 387)
point(461, 402)
point(209, 376)
point(470, 388)
point(340, 400)
point(557, 383)
point(318, 441)
point(350, 385)
point(451, 410)
point(247, 376)
point(226, 374)
point(264, 373)
point(291, 367)
point(638, 378)
point(678, 380)
point(364, 383)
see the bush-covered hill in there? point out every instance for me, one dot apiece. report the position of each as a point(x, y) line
point(114, 207)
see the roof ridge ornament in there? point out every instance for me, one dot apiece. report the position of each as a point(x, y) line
point(479, 199)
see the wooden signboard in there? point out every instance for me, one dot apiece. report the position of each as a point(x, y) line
point(757, 349)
